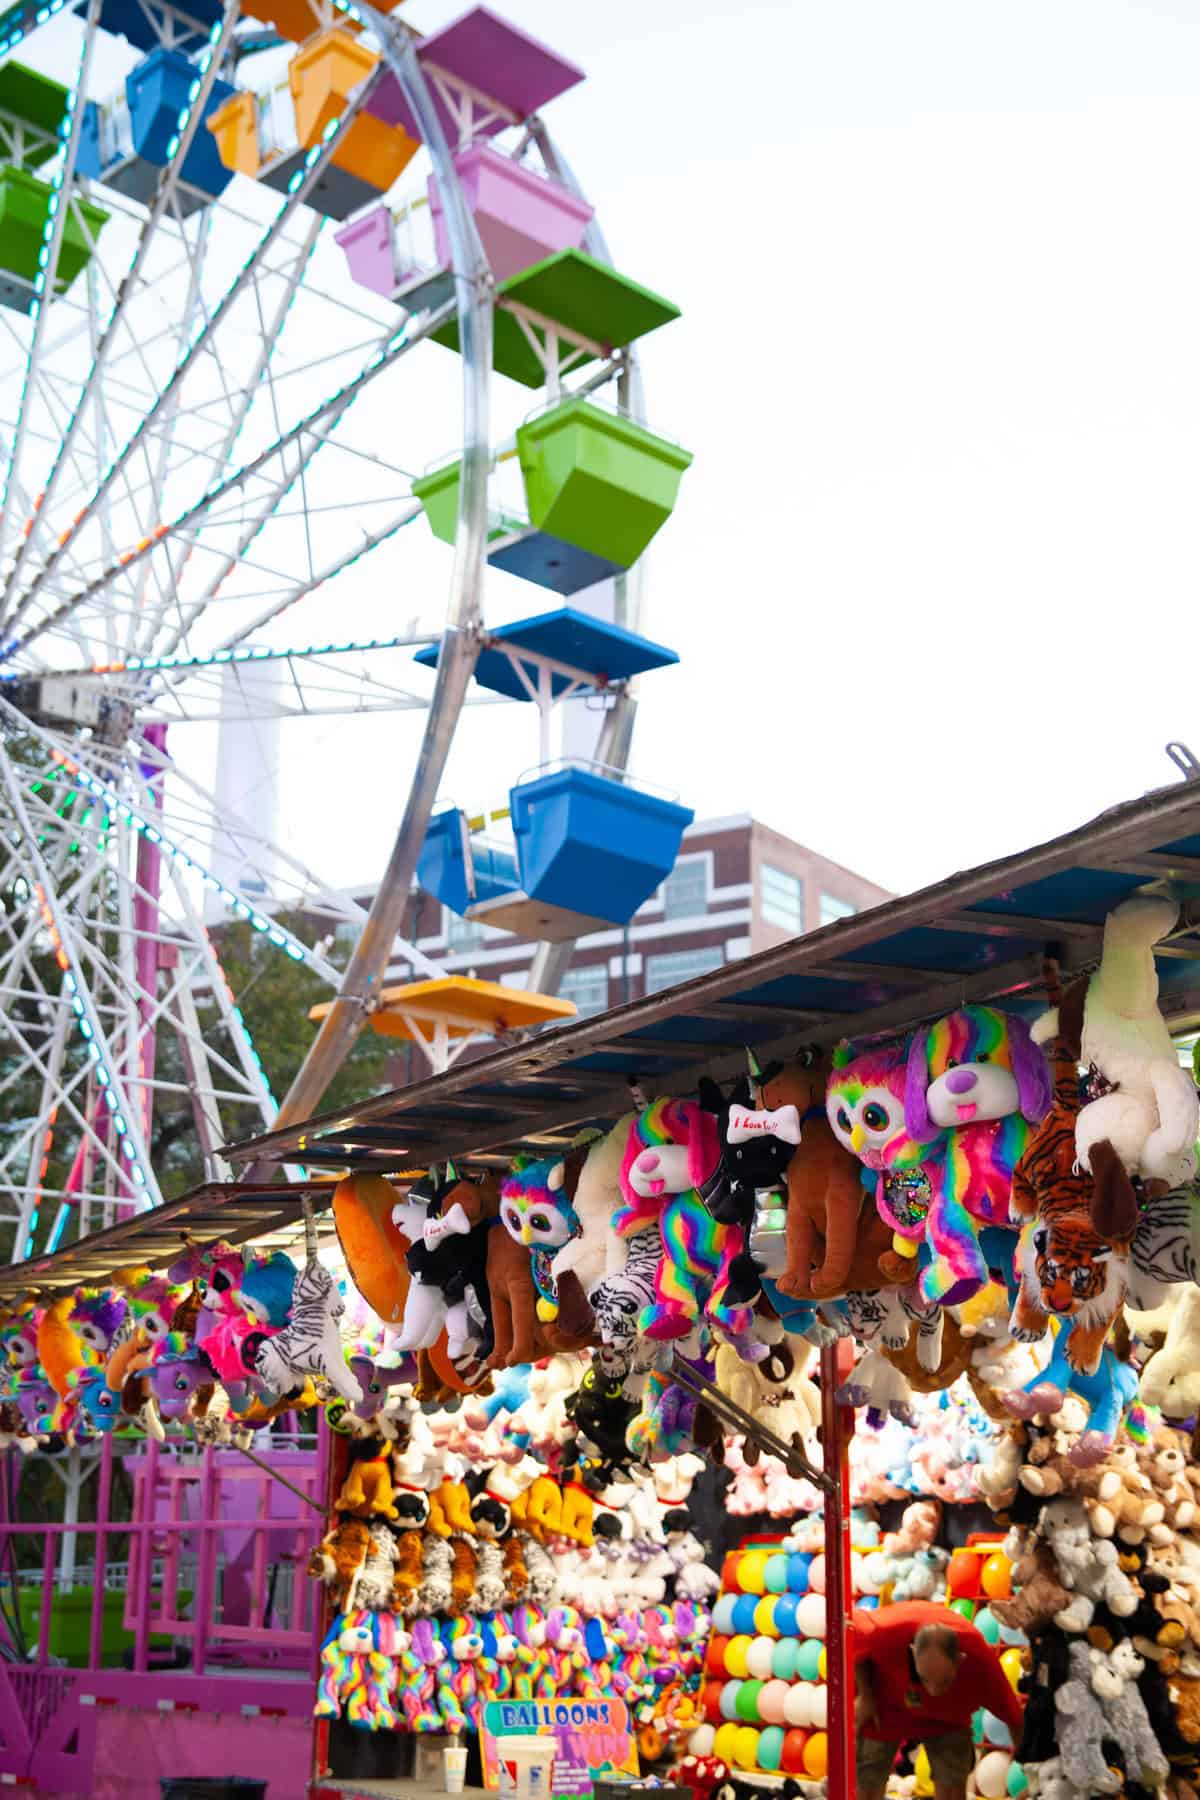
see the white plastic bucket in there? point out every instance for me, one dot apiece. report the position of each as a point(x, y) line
point(526, 1767)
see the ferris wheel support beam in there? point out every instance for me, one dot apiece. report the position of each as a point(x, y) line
point(42, 1140)
point(399, 344)
point(189, 124)
point(313, 168)
point(125, 1117)
point(474, 293)
point(58, 210)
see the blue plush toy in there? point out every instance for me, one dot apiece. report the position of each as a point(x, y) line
point(1106, 1394)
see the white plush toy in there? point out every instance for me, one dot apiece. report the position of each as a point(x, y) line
point(1089, 1568)
point(1146, 1119)
point(1171, 1378)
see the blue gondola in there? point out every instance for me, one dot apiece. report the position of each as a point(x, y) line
point(594, 844)
point(462, 871)
point(144, 23)
point(126, 143)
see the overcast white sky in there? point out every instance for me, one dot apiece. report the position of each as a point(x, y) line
point(933, 573)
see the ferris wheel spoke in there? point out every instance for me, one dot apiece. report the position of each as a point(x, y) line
point(398, 345)
point(209, 65)
point(54, 233)
point(314, 167)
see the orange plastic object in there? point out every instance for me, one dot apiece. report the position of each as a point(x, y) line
point(235, 127)
point(322, 75)
point(372, 1245)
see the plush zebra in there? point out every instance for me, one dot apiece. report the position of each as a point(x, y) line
point(619, 1298)
point(1166, 1247)
point(309, 1343)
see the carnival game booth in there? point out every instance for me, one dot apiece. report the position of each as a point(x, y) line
point(589, 1255)
point(904, 1266)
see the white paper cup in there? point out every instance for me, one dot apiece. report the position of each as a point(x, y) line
point(454, 1757)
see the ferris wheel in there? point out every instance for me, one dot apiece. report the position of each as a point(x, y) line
point(223, 241)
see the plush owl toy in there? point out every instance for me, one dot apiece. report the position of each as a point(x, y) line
point(536, 1211)
point(864, 1103)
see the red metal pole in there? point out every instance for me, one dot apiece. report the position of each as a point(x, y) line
point(103, 1498)
point(837, 1428)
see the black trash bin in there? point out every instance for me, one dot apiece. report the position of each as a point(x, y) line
point(211, 1787)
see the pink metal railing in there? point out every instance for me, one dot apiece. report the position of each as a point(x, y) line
point(154, 1607)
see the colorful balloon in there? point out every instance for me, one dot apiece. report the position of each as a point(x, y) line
point(724, 1742)
point(810, 1616)
point(745, 1747)
point(808, 1660)
point(736, 1652)
point(714, 1656)
point(764, 1616)
point(820, 1706)
point(986, 1624)
point(823, 1665)
point(722, 1614)
point(962, 1576)
point(799, 1563)
point(996, 1731)
point(771, 1702)
point(729, 1699)
point(991, 1775)
point(995, 1577)
point(965, 1608)
point(816, 1756)
point(770, 1748)
point(775, 1575)
point(786, 1658)
point(760, 1658)
point(710, 1700)
point(1018, 1781)
point(1012, 1662)
point(816, 1575)
point(701, 1741)
point(745, 1613)
point(786, 1609)
point(751, 1571)
point(747, 1701)
point(797, 1708)
point(794, 1744)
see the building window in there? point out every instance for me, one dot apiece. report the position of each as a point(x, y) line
point(781, 898)
point(832, 908)
point(681, 965)
point(588, 988)
point(346, 933)
point(463, 934)
point(685, 891)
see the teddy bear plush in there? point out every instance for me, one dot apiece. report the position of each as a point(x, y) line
point(1097, 1703)
point(1162, 1463)
point(1040, 1596)
point(1089, 1567)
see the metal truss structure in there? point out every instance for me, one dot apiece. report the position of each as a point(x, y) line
point(186, 471)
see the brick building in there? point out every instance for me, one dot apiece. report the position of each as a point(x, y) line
point(736, 887)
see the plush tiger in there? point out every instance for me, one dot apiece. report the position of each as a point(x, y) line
point(1063, 1266)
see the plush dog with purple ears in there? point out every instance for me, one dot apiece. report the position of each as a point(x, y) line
point(976, 1082)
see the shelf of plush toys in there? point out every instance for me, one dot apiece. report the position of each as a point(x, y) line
point(975, 1215)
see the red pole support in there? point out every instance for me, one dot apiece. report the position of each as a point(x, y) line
point(837, 1428)
point(103, 1500)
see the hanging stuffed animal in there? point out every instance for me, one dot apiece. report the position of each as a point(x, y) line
point(1064, 1267)
point(974, 1084)
point(309, 1343)
point(537, 1212)
point(864, 1104)
point(671, 1153)
point(1143, 1114)
point(825, 1193)
point(447, 1221)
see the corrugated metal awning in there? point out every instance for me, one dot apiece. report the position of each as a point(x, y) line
point(977, 936)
